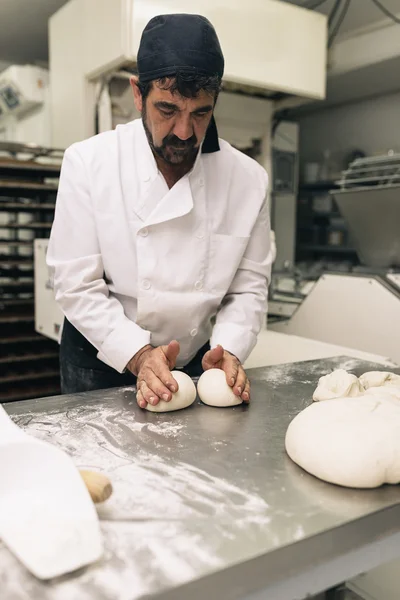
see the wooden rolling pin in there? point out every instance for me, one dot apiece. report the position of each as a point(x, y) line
point(98, 485)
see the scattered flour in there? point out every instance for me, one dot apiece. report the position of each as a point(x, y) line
point(166, 522)
point(279, 374)
point(349, 364)
point(289, 373)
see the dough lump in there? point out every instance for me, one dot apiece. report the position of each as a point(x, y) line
point(338, 384)
point(354, 442)
point(373, 379)
point(214, 391)
point(184, 397)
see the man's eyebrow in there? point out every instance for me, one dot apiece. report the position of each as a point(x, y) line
point(166, 105)
point(171, 106)
point(205, 108)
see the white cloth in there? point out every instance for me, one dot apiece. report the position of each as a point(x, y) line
point(136, 263)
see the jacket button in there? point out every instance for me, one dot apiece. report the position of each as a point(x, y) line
point(193, 333)
point(144, 232)
point(198, 285)
point(146, 285)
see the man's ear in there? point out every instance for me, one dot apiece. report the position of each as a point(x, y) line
point(137, 96)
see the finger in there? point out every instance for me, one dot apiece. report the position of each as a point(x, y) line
point(205, 363)
point(231, 368)
point(171, 353)
point(159, 387)
point(212, 358)
point(140, 400)
point(160, 370)
point(246, 394)
point(148, 394)
point(240, 383)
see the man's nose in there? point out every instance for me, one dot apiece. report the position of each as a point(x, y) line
point(183, 127)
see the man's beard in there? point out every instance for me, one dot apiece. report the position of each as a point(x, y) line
point(173, 150)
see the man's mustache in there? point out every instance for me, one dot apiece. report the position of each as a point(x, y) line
point(173, 140)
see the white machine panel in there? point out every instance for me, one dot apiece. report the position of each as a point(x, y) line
point(394, 279)
point(356, 311)
point(48, 315)
point(275, 348)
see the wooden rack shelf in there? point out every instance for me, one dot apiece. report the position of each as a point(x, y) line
point(29, 376)
point(25, 207)
point(30, 169)
point(21, 339)
point(12, 188)
point(27, 226)
point(27, 357)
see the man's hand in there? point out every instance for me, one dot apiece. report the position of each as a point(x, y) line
point(236, 378)
point(152, 366)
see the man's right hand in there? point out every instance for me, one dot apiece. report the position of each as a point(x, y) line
point(152, 367)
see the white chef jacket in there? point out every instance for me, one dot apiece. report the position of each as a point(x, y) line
point(136, 263)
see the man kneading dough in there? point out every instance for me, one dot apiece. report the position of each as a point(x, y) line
point(160, 249)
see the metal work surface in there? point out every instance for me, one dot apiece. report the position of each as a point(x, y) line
point(202, 490)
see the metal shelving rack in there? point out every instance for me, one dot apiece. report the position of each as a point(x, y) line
point(317, 229)
point(28, 185)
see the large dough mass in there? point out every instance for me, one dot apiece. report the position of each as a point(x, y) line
point(184, 397)
point(352, 441)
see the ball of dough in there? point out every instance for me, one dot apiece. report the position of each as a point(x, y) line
point(339, 384)
point(214, 391)
point(184, 397)
point(353, 442)
point(379, 378)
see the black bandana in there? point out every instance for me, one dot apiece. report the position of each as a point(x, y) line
point(181, 42)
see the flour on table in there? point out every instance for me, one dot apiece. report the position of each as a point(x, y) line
point(279, 374)
point(153, 523)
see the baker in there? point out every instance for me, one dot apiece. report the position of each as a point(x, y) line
point(160, 250)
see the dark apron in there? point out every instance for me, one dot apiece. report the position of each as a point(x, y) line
point(82, 371)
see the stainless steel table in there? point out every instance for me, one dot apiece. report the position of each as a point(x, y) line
point(206, 503)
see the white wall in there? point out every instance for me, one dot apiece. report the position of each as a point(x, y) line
point(372, 125)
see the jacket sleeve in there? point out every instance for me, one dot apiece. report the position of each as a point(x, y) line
point(76, 267)
point(244, 307)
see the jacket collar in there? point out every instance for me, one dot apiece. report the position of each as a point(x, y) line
point(155, 203)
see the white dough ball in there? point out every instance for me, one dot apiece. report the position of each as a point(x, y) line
point(184, 397)
point(339, 384)
point(214, 391)
point(374, 379)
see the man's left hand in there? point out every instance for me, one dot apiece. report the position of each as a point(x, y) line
point(236, 377)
